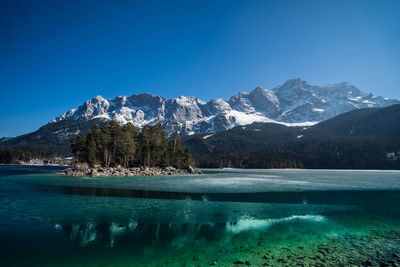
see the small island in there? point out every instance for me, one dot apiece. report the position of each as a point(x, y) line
point(116, 150)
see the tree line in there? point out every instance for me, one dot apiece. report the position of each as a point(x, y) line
point(126, 146)
point(10, 155)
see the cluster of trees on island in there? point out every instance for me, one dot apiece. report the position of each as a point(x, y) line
point(126, 146)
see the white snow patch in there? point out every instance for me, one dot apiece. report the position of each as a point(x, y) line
point(207, 136)
point(104, 116)
point(185, 100)
point(298, 124)
point(247, 118)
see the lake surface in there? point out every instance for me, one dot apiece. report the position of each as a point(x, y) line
point(221, 218)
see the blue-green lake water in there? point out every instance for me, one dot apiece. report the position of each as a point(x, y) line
point(220, 218)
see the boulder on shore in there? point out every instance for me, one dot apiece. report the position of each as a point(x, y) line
point(136, 171)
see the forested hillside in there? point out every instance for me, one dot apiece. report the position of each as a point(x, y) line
point(361, 139)
point(52, 140)
point(362, 122)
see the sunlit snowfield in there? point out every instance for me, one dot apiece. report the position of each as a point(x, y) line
point(222, 218)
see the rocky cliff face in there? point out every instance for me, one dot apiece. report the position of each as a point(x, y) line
point(296, 102)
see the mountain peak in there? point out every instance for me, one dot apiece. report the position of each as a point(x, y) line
point(297, 82)
point(99, 98)
point(260, 89)
point(242, 94)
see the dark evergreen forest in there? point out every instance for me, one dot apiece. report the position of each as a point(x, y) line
point(276, 146)
point(10, 155)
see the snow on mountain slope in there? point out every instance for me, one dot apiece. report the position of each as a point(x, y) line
point(296, 102)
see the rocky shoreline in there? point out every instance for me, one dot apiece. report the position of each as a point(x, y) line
point(119, 171)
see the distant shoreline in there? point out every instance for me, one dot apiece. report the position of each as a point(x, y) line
point(38, 165)
point(228, 169)
point(303, 169)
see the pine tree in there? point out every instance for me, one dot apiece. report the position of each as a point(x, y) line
point(91, 146)
point(127, 143)
point(78, 147)
point(106, 141)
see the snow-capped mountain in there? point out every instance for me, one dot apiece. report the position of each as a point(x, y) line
point(296, 102)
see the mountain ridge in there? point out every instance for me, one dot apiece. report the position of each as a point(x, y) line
point(296, 102)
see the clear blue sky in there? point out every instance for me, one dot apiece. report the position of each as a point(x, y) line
point(56, 54)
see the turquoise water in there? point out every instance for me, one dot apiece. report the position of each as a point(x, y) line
point(221, 218)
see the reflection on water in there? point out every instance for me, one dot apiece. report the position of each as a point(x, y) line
point(365, 198)
point(47, 220)
point(90, 233)
point(175, 235)
point(250, 224)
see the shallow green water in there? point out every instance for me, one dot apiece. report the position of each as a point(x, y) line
point(258, 217)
